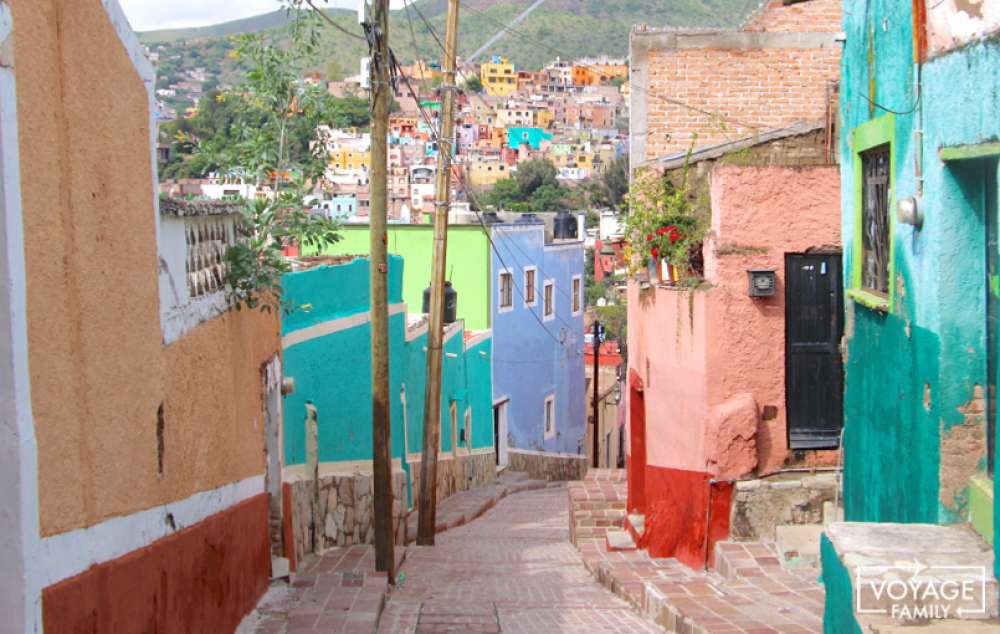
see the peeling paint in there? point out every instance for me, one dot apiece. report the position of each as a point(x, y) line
point(962, 449)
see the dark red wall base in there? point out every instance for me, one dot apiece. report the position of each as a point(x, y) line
point(204, 578)
point(676, 513)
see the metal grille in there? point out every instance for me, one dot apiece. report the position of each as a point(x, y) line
point(875, 220)
point(207, 240)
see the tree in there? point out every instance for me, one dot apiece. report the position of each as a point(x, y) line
point(474, 84)
point(612, 185)
point(270, 141)
point(533, 174)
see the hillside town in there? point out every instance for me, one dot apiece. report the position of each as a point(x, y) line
point(703, 339)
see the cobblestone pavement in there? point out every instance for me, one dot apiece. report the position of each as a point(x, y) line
point(512, 570)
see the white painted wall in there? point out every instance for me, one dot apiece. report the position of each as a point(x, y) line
point(18, 456)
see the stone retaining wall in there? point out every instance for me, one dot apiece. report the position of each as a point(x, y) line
point(761, 505)
point(551, 467)
point(457, 473)
point(344, 513)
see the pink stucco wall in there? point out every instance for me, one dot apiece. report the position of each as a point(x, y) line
point(716, 357)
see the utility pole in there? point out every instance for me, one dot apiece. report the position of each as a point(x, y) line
point(597, 373)
point(435, 330)
point(378, 37)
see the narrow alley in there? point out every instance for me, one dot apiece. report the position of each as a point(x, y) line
point(511, 570)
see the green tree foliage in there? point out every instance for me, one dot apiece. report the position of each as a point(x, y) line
point(533, 188)
point(268, 134)
point(610, 189)
point(474, 84)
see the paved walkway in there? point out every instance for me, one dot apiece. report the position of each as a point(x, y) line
point(511, 570)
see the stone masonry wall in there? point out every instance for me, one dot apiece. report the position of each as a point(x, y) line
point(553, 468)
point(456, 474)
point(761, 505)
point(344, 514)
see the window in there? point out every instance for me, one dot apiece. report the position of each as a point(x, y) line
point(506, 289)
point(871, 254)
point(577, 294)
point(875, 220)
point(550, 416)
point(549, 310)
point(529, 286)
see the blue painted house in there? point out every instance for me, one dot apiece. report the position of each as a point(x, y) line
point(327, 436)
point(920, 121)
point(537, 318)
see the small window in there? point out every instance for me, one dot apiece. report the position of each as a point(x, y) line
point(549, 310)
point(506, 291)
point(529, 286)
point(577, 292)
point(875, 220)
point(550, 416)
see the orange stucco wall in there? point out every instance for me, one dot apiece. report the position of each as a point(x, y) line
point(712, 358)
point(98, 368)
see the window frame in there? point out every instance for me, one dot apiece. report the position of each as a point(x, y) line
point(501, 308)
point(548, 307)
point(576, 289)
point(867, 136)
point(533, 287)
point(546, 432)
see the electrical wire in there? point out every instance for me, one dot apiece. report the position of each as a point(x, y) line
point(330, 21)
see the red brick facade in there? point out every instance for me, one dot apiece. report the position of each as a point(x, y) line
point(767, 88)
point(809, 16)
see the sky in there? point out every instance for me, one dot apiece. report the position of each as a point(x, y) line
point(147, 15)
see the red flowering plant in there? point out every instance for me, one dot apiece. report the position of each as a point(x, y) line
point(662, 223)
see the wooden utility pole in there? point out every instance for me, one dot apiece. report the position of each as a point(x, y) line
point(596, 444)
point(435, 329)
point(381, 94)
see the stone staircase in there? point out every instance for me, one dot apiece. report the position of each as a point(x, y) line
point(747, 590)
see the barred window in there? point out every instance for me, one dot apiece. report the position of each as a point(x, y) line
point(875, 220)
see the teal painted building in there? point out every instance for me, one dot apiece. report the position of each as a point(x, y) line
point(326, 350)
point(920, 121)
point(533, 137)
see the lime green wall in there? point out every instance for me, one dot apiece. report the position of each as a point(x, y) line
point(468, 264)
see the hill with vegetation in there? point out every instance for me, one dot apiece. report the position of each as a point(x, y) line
point(564, 28)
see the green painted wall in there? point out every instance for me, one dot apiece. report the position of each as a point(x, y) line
point(838, 612)
point(468, 260)
point(911, 371)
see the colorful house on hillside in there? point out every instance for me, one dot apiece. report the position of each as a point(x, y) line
point(328, 429)
point(498, 77)
point(919, 166)
point(735, 374)
point(538, 346)
point(139, 478)
point(532, 137)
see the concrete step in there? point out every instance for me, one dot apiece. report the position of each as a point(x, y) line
point(798, 544)
point(635, 524)
point(617, 541)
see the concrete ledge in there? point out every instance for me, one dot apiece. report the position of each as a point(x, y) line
point(552, 467)
point(880, 575)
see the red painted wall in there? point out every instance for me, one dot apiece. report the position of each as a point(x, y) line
point(204, 578)
point(635, 460)
point(677, 514)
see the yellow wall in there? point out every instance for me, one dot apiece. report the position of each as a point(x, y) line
point(498, 79)
point(99, 370)
point(487, 173)
point(543, 119)
point(348, 159)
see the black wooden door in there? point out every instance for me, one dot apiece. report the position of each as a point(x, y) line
point(814, 373)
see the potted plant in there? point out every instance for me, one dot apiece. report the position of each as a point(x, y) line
point(662, 226)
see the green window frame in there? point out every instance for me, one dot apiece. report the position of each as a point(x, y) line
point(872, 134)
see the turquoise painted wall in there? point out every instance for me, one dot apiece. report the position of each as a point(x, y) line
point(912, 370)
point(333, 371)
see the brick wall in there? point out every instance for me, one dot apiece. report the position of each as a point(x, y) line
point(764, 87)
point(813, 15)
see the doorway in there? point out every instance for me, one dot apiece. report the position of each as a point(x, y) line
point(814, 370)
point(271, 398)
point(500, 413)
